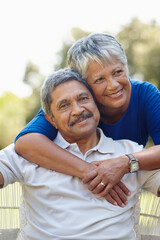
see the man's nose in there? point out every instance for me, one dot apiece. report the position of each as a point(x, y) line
point(77, 108)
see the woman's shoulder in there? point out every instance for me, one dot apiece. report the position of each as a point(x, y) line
point(140, 84)
point(143, 88)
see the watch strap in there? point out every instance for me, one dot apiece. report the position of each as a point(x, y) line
point(133, 160)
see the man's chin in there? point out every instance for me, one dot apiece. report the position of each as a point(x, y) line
point(84, 131)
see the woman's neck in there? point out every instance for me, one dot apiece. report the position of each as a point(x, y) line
point(110, 116)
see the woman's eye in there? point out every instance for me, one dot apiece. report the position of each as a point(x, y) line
point(118, 72)
point(99, 80)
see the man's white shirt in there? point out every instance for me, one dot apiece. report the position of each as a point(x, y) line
point(59, 206)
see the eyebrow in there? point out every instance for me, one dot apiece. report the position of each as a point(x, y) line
point(117, 68)
point(61, 102)
point(102, 74)
point(66, 100)
point(83, 94)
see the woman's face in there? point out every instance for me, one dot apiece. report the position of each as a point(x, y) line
point(110, 85)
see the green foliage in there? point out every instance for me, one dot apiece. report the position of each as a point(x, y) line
point(76, 33)
point(32, 76)
point(34, 79)
point(12, 118)
point(141, 43)
point(62, 57)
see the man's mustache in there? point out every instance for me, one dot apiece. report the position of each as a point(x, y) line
point(82, 116)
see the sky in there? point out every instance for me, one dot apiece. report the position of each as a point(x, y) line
point(34, 31)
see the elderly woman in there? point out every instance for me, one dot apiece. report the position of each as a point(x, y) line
point(129, 109)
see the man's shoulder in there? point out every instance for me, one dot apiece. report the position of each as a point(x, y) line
point(9, 155)
point(8, 150)
point(124, 146)
point(128, 144)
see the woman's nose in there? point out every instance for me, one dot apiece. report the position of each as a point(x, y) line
point(112, 84)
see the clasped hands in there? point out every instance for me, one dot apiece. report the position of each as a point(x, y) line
point(105, 180)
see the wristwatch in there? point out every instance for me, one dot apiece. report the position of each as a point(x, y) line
point(134, 163)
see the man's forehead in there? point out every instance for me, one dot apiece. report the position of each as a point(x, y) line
point(70, 89)
point(74, 96)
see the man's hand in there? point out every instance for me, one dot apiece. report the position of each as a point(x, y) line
point(117, 195)
point(105, 180)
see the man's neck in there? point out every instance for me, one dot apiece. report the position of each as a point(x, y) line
point(88, 143)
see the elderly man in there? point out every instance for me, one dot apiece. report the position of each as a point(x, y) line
point(59, 206)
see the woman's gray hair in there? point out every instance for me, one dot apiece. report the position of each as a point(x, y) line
point(99, 47)
point(54, 80)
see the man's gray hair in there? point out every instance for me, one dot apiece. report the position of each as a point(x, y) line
point(54, 80)
point(99, 47)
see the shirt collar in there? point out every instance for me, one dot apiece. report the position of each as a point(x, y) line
point(105, 144)
point(60, 141)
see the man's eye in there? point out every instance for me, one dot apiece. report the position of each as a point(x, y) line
point(63, 106)
point(83, 99)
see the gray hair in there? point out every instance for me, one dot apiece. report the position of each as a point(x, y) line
point(99, 47)
point(54, 80)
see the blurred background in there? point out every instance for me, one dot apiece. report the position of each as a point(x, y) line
point(35, 37)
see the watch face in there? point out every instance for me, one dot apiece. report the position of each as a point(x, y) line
point(134, 163)
point(134, 166)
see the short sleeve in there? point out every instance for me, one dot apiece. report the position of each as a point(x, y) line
point(9, 166)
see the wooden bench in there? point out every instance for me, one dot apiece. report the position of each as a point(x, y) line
point(150, 237)
point(8, 234)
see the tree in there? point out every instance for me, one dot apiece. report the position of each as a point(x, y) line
point(17, 112)
point(34, 79)
point(141, 43)
point(76, 34)
point(12, 118)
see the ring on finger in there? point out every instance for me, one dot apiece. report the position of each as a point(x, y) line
point(102, 184)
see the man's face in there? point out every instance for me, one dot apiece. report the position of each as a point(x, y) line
point(75, 113)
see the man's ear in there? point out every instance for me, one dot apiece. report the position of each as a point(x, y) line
point(51, 120)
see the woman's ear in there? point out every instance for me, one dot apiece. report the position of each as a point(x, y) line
point(51, 120)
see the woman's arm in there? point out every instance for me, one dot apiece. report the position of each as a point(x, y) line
point(38, 149)
point(33, 144)
point(149, 159)
point(112, 170)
